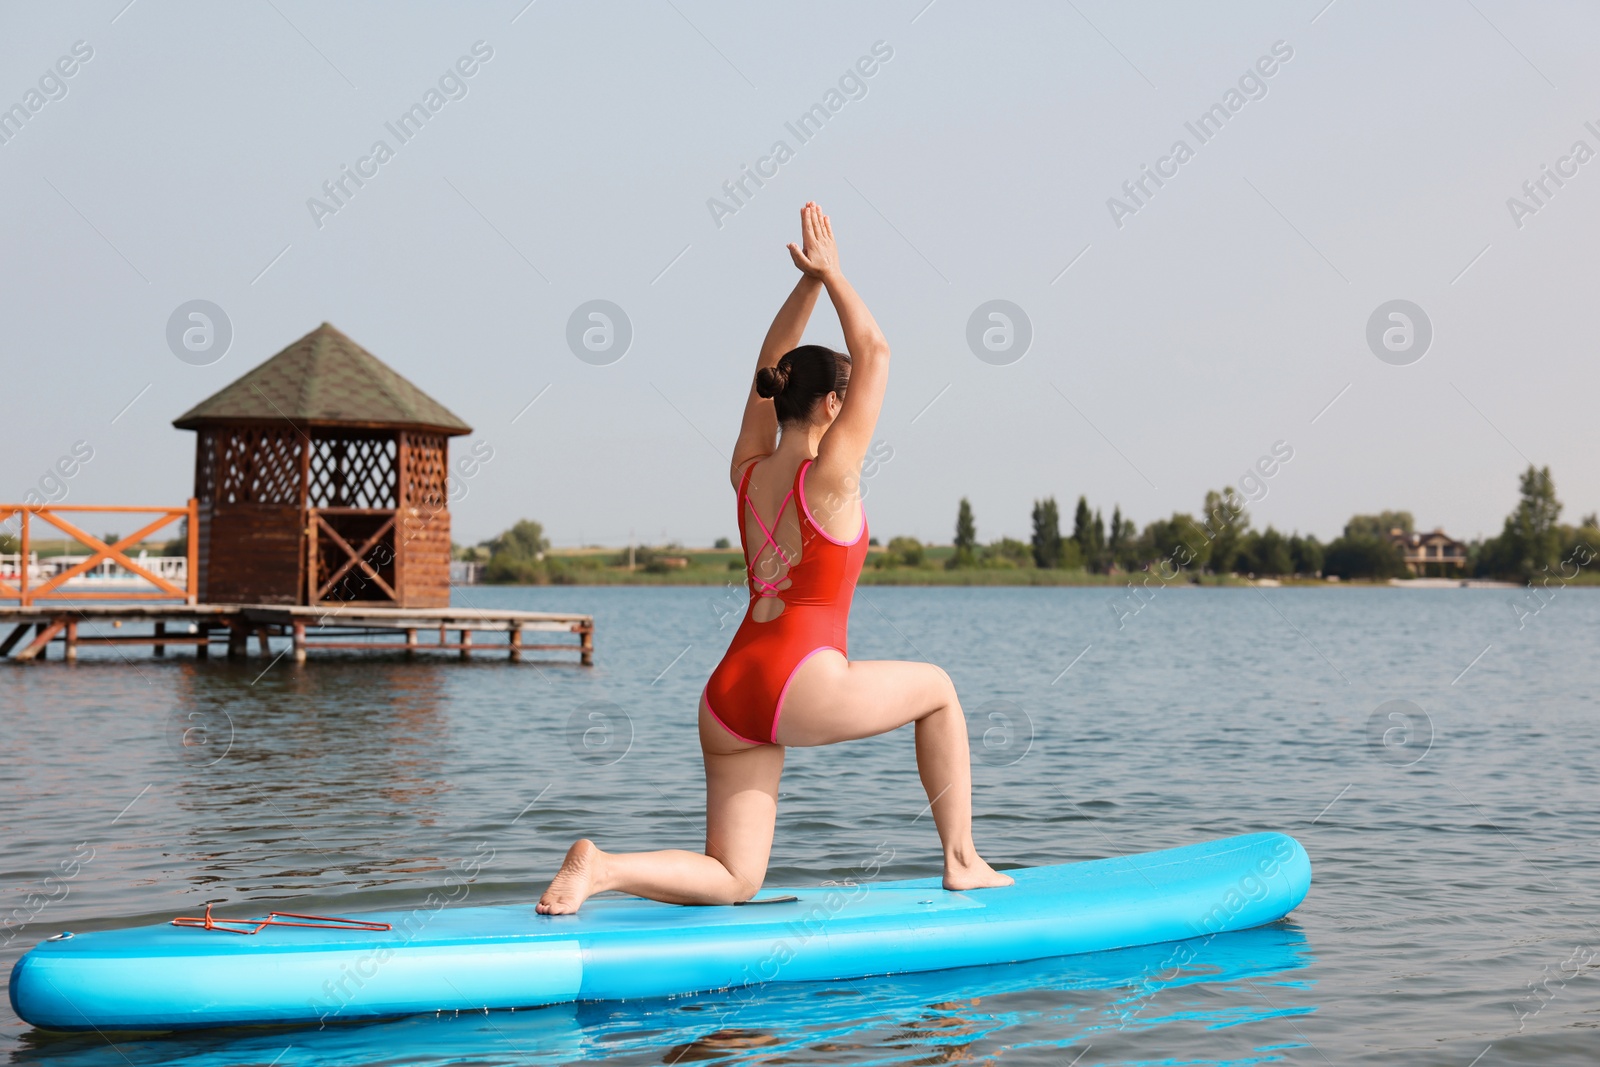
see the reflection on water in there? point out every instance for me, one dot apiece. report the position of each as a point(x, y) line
point(278, 754)
point(1052, 1006)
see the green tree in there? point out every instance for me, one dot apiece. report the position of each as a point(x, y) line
point(1046, 533)
point(1363, 556)
point(1176, 544)
point(526, 539)
point(1226, 524)
point(507, 570)
point(1535, 518)
point(966, 539)
point(902, 552)
point(1368, 548)
point(516, 556)
point(1266, 554)
point(1083, 529)
point(1007, 552)
point(1071, 556)
point(1580, 545)
point(1530, 542)
point(1124, 548)
point(1306, 554)
point(178, 545)
point(723, 542)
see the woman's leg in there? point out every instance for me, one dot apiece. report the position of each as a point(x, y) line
point(741, 811)
point(832, 699)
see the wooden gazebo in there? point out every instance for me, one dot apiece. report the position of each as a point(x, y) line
point(321, 480)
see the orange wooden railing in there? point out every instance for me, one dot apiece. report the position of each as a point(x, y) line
point(100, 551)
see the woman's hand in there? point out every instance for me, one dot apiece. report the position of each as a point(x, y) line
point(817, 257)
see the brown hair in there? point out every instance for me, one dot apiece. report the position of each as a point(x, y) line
point(802, 377)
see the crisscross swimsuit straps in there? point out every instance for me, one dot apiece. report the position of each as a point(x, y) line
point(745, 693)
point(767, 588)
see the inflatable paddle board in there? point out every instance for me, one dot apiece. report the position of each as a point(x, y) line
point(385, 964)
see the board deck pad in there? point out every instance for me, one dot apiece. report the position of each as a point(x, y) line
point(168, 977)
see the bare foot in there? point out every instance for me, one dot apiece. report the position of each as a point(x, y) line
point(974, 875)
point(573, 882)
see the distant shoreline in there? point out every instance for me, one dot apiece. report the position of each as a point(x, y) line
point(725, 568)
point(910, 577)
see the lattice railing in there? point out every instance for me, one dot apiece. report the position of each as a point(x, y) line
point(205, 466)
point(426, 472)
point(249, 465)
point(353, 472)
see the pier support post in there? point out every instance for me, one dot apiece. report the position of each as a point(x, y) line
point(586, 646)
point(161, 631)
point(203, 649)
point(238, 642)
point(299, 641)
point(411, 642)
point(72, 641)
point(516, 642)
point(466, 643)
point(16, 635)
point(261, 639)
point(46, 631)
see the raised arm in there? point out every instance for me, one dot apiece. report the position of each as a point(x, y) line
point(842, 448)
point(758, 433)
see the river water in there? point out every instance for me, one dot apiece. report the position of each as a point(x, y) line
point(1435, 752)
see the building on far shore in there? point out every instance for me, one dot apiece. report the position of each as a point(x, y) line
point(466, 572)
point(1435, 554)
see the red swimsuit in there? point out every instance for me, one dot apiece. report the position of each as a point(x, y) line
point(746, 691)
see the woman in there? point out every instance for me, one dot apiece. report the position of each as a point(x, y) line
point(785, 679)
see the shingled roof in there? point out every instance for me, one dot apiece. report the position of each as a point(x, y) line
point(324, 379)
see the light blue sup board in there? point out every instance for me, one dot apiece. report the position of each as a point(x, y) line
point(481, 958)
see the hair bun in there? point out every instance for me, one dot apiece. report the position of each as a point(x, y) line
point(771, 380)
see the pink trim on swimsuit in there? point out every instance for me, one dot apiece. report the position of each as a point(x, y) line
point(778, 714)
point(705, 695)
point(801, 481)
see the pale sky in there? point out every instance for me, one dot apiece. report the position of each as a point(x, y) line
point(1172, 346)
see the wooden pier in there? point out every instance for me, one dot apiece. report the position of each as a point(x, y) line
point(358, 627)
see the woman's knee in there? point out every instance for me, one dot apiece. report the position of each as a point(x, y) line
point(738, 888)
point(939, 695)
